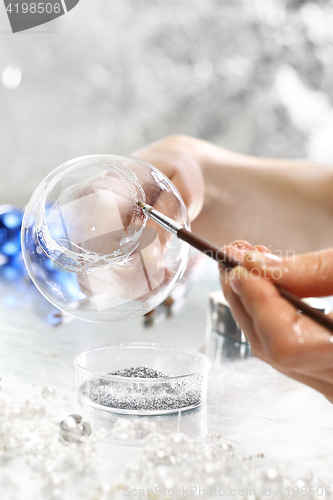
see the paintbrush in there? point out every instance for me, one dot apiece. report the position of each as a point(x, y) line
point(223, 258)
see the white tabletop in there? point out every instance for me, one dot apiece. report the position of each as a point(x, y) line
point(249, 404)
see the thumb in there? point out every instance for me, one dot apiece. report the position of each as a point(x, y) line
point(175, 157)
point(305, 275)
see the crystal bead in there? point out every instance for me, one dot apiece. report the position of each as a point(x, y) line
point(49, 393)
point(72, 429)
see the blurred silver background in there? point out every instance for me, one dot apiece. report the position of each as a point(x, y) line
point(110, 76)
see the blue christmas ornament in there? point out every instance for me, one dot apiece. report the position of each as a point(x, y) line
point(12, 267)
point(10, 230)
point(9, 272)
point(59, 281)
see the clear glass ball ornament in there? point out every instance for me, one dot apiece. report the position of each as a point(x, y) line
point(89, 248)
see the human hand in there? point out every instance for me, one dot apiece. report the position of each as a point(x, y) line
point(279, 334)
point(178, 159)
point(228, 194)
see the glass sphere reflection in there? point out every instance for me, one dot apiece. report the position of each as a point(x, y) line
point(89, 248)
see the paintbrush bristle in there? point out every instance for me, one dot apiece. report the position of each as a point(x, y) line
point(140, 203)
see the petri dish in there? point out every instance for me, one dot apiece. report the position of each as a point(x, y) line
point(172, 378)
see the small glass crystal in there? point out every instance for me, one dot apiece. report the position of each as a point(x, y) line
point(49, 393)
point(72, 429)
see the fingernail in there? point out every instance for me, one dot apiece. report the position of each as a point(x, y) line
point(241, 245)
point(263, 259)
point(235, 276)
point(234, 252)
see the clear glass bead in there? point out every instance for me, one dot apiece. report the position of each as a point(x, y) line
point(72, 429)
point(49, 393)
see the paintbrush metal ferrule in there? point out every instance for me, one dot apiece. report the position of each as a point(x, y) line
point(164, 221)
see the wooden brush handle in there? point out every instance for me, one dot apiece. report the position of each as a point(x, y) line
point(229, 262)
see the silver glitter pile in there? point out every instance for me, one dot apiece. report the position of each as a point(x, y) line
point(131, 395)
point(139, 372)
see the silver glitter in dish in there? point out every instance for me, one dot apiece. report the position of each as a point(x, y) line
point(140, 396)
point(139, 372)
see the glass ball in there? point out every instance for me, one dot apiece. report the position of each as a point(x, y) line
point(89, 248)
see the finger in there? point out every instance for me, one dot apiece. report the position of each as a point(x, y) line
point(242, 245)
point(239, 248)
point(289, 339)
point(174, 157)
point(305, 275)
point(241, 317)
point(237, 251)
point(262, 248)
point(325, 387)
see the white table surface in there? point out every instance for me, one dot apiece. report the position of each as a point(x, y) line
point(250, 404)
